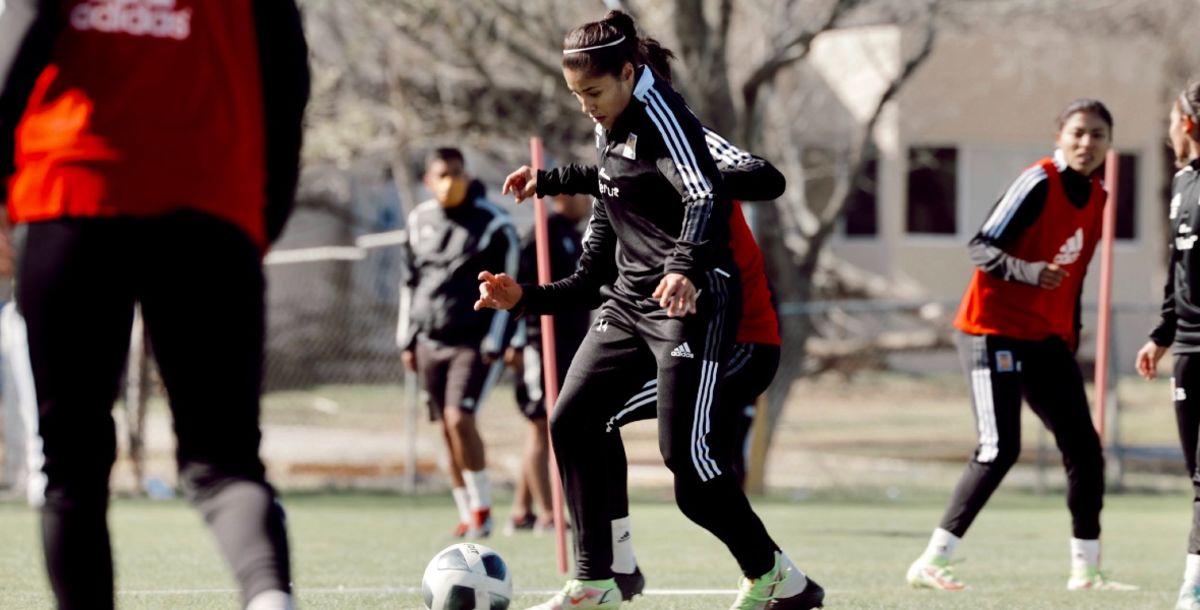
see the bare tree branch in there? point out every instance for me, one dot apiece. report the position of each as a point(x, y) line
point(845, 187)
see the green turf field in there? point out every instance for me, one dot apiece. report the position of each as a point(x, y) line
point(368, 551)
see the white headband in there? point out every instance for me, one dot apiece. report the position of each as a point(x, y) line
point(599, 46)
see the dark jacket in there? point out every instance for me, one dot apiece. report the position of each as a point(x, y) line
point(444, 253)
point(663, 195)
point(1180, 321)
point(570, 327)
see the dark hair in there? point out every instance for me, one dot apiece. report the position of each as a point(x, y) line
point(1189, 100)
point(445, 154)
point(597, 48)
point(658, 57)
point(1085, 104)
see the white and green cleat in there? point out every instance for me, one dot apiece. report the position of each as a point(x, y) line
point(1092, 579)
point(1189, 598)
point(595, 594)
point(934, 573)
point(784, 587)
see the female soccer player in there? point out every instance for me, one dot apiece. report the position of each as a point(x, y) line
point(1179, 327)
point(657, 256)
point(1019, 323)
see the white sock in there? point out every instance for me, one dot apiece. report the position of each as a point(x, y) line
point(271, 600)
point(623, 560)
point(463, 504)
point(1084, 554)
point(794, 580)
point(1191, 572)
point(477, 489)
point(941, 545)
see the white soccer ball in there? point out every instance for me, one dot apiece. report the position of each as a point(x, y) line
point(467, 576)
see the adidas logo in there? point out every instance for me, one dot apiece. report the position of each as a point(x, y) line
point(624, 537)
point(683, 351)
point(153, 18)
point(1071, 249)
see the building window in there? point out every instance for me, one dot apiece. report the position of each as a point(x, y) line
point(1127, 182)
point(932, 191)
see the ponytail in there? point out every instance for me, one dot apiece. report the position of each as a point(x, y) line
point(605, 46)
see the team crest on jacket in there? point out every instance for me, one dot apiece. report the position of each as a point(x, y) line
point(630, 151)
point(1071, 249)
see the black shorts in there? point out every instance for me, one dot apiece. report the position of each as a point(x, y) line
point(453, 376)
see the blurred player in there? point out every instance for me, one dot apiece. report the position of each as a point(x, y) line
point(23, 457)
point(1019, 323)
point(153, 150)
point(454, 349)
point(1179, 326)
point(525, 354)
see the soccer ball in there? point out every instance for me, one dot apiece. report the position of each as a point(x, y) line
point(467, 576)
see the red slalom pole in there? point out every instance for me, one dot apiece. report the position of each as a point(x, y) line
point(1104, 325)
point(541, 234)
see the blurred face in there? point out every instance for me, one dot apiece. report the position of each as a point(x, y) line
point(604, 97)
point(447, 181)
point(572, 207)
point(1084, 140)
point(1183, 136)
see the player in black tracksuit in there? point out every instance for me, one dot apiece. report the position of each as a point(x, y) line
point(672, 298)
point(1179, 326)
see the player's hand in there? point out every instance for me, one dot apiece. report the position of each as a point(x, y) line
point(1052, 276)
point(497, 291)
point(521, 183)
point(1147, 359)
point(409, 359)
point(676, 294)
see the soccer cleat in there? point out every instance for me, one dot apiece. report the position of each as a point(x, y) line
point(1092, 579)
point(1189, 598)
point(482, 528)
point(795, 590)
point(934, 573)
point(462, 530)
point(526, 523)
point(776, 590)
point(602, 594)
point(630, 584)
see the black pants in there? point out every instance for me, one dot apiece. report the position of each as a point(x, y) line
point(200, 285)
point(688, 354)
point(748, 373)
point(1000, 372)
point(1185, 387)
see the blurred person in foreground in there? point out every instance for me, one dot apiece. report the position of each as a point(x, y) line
point(456, 351)
point(1179, 326)
point(1019, 324)
point(152, 148)
point(565, 243)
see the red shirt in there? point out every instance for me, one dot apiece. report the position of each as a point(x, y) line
point(146, 108)
point(1065, 235)
point(759, 323)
